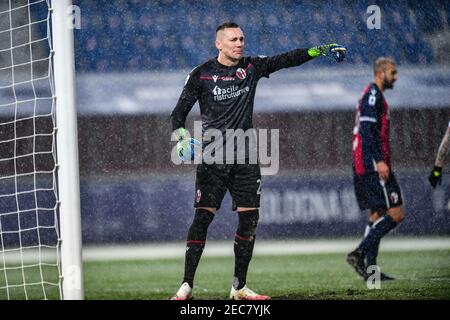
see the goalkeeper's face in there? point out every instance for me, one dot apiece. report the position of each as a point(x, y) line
point(390, 76)
point(230, 43)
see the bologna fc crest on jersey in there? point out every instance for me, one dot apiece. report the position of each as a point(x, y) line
point(198, 196)
point(241, 73)
point(394, 198)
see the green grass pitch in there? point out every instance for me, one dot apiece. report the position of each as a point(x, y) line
point(421, 275)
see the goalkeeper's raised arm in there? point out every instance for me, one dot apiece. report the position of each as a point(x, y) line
point(253, 68)
point(267, 65)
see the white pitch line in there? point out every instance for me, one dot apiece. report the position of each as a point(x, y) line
point(225, 249)
point(262, 247)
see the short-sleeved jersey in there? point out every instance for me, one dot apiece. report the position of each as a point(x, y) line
point(371, 132)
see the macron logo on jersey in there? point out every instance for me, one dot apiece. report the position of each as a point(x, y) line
point(216, 77)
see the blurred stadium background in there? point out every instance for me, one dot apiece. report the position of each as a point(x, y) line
point(132, 58)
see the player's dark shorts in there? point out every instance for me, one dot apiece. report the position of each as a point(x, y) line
point(371, 193)
point(242, 180)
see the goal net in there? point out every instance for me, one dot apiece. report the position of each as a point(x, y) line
point(30, 239)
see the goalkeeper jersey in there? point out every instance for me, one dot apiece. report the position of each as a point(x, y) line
point(371, 132)
point(226, 94)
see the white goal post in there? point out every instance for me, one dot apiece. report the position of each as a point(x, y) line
point(40, 220)
point(67, 150)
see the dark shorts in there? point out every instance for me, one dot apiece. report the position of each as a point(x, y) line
point(242, 180)
point(371, 193)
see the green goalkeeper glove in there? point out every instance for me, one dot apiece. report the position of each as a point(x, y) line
point(182, 143)
point(185, 145)
point(180, 133)
point(334, 51)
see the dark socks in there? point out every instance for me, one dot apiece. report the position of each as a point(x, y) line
point(244, 242)
point(369, 245)
point(371, 256)
point(195, 243)
point(243, 250)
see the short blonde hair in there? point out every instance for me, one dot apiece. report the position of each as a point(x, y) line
point(381, 64)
